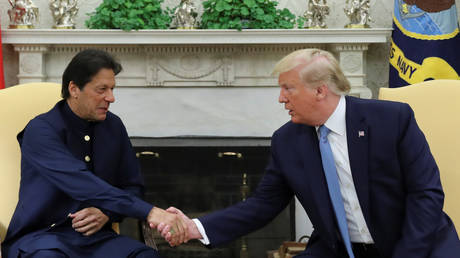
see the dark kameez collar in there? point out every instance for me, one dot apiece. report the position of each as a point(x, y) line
point(75, 121)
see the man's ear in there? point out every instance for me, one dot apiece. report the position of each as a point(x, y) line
point(322, 91)
point(73, 89)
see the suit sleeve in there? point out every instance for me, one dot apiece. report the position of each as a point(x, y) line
point(44, 150)
point(268, 200)
point(424, 194)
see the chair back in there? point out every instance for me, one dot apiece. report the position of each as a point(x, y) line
point(437, 110)
point(18, 105)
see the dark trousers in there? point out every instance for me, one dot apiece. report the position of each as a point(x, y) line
point(44, 254)
point(365, 251)
point(147, 253)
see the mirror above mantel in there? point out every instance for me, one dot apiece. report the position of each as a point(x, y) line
point(197, 70)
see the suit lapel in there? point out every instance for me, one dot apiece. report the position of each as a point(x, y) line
point(358, 141)
point(311, 160)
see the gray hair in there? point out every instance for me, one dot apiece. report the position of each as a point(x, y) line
point(326, 69)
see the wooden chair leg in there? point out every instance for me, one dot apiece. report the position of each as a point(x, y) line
point(116, 227)
point(148, 234)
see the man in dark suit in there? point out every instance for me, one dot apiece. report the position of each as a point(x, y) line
point(79, 174)
point(383, 197)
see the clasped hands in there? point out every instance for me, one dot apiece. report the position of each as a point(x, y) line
point(173, 225)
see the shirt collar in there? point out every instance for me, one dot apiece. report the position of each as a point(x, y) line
point(336, 122)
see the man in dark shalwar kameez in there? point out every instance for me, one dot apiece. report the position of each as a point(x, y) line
point(79, 174)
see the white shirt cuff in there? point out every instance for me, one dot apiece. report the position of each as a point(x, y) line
point(205, 239)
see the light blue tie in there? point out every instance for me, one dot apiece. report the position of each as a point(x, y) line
point(333, 185)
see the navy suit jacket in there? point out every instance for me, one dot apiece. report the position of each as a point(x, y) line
point(396, 179)
point(56, 180)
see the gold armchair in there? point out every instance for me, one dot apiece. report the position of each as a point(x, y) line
point(437, 110)
point(18, 105)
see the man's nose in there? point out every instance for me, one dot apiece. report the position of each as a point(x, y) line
point(282, 98)
point(109, 97)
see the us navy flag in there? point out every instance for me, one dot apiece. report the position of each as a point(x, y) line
point(425, 42)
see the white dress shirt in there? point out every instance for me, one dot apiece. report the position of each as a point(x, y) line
point(205, 239)
point(357, 228)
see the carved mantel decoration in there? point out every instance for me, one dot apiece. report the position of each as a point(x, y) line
point(199, 58)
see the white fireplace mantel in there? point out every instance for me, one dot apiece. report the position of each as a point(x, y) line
point(194, 82)
point(193, 57)
point(188, 37)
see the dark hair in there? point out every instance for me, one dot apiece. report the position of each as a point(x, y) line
point(84, 66)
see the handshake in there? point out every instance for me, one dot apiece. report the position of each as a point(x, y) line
point(173, 225)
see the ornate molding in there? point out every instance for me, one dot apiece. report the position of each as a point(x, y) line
point(121, 49)
point(196, 37)
point(228, 72)
point(30, 48)
point(29, 64)
point(192, 49)
point(190, 66)
point(192, 58)
point(354, 63)
point(349, 47)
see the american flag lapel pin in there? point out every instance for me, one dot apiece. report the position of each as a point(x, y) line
point(360, 133)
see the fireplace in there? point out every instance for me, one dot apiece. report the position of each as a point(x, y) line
point(207, 175)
